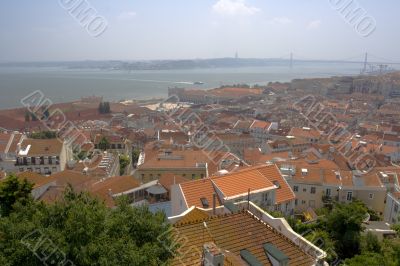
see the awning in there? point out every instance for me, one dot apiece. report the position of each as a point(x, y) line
point(156, 190)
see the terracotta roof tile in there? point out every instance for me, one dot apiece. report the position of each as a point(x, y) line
point(169, 179)
point(260, 124)
point(239, 183)
point(42, 146)
point(304, 133)
point(233, 233)
point(197, 189)
point(195, 215)
point(284, 192)
point(37, 179)
point(113, 185)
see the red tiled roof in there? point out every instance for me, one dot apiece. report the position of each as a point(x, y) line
point(169, 179)
point(239, 183)
point(113, 185)
point(37, 179)
point(260, 124)
point(305, 133)
point(284, 192)
point(42, 146)
point(193, 191)
point(233, 233)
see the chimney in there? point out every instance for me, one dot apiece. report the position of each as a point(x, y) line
point(214, 203)
point(212, 255)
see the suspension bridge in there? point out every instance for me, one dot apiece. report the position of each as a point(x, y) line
point(369, 63)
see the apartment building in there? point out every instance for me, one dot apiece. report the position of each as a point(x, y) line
point(114, 143)
point(235, 143)
point(392, 208)
point(102, 166)
point(263, 185)
point(391, 140)
point(242, 126)
point(43, 156)
point(157, 160)
point(310, 134)
point(9, 143)
point(318, 183)
point(286, 144)
point(261, 129)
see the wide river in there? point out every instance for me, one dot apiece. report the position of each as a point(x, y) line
point(61, 84)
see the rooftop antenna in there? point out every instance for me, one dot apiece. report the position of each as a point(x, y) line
point(248, 199)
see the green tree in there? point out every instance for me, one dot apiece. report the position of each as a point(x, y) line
point(388, 254)
point(46, 113)
point(104, 144)
point(321, 239)
point(370, 243)
point(107, 108)
point(104, 108)
point(13, 190)
point(43, 135)
point(370, 259)
point(34, 117)
point(124, 161)
point(84, 231)
point(344, 225)
point(27, 116)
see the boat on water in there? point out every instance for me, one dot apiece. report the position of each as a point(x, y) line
point(198, 83)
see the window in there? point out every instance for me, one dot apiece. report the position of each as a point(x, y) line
point(193, 176)
point(296, 188)
point(303, 202)
point(266, 197)
point(296, 201)
point(304, 189)
point(349, 195)
point(328, 192)
point(312, 190)
point(371, 195)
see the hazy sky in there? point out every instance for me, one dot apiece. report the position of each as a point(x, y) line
point(43, 30)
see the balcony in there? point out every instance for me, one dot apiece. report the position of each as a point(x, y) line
point(34, 162)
